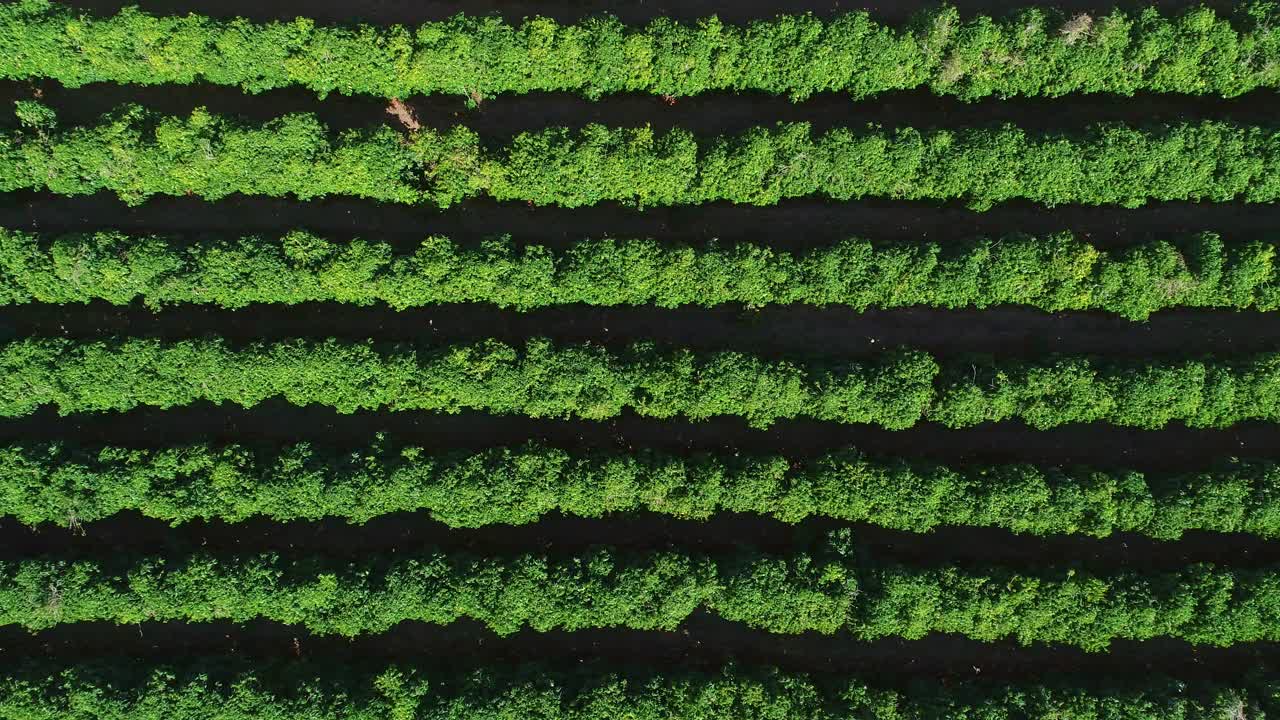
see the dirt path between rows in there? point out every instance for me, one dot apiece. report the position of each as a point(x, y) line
point(708, 115)
point(794, 332)
point(793, 224)
point(130, 533)
point(703, 642)
point(1174, 448)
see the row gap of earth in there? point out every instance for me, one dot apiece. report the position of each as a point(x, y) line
point(402, 534)
point(703, 642)
point(712, 114)
point(1174, 448)
point(793, 225)
point(800, 333)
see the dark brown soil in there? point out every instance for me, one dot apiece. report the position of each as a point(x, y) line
point(1171, 449)
point(130, 533)
point(795, 224)
point(701, 642)
point(705, 115)
point(793, 331)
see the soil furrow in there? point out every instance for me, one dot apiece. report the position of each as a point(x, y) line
point(702, 642)
point(794, 224)
point(774, 332)
point(707, 115)
point(1174, 448)
point(131, 534)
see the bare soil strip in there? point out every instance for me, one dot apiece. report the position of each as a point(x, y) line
point(702, 642)
point(713, 114)
point(793, 332)
point(1173, 448)
point(794, 224)
point(131, 533)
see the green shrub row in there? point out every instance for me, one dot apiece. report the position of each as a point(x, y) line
point(310, 690)
point(1032, 51)
point(827, 591)
point(896, 390)
point(1052, 273)
point(136, 154)
point(52, 483)
point(539, 379)
point(599, 587)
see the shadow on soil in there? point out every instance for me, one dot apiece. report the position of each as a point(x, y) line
point(703, 642)
point(793, 332)
point(793, 224)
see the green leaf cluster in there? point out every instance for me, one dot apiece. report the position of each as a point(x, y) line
point(55, 483)
point(1052, 273)
point(1032, 51)
point(136, 154)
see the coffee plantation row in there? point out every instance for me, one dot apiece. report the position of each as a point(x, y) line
point(58, 484)
point(1031, 51)
point(242, 690)
point(137, 154)
point(895, 389)
point(1052, 273)
point(826, 591)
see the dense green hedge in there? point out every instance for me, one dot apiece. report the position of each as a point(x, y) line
point(1033, 51)
point(1055, 272)
point(136, 154)
point(308, 690)
point(600, 587)
point(1064, 389)
point(824, 592)
point(539, 379)
point(51, 483)
point(896, 390)
point(138, 689)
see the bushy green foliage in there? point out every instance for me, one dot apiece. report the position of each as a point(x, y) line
point(895, 390)
point(53, 483)
point(135, 155)
point(310, 690)
point(826, 591)
point(1199, 604)
point(1063, 390)
point(538, 379)
point(1032, 51)
point(1052, 273)
point(601, 587)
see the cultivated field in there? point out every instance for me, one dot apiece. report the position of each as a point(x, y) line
point(620, 360)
